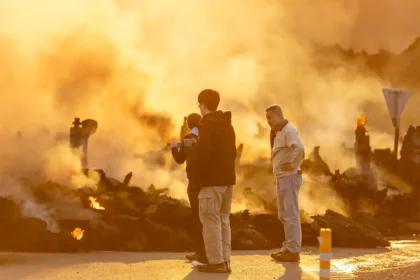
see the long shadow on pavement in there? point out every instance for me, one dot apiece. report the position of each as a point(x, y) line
point(195, 275)
point(292, 271)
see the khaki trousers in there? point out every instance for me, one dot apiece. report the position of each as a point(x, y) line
point(287, 203)
point(214, 205)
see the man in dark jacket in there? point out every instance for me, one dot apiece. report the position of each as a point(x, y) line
point(216, 154)
point(187, 152)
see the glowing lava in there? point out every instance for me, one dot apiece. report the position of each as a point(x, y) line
point(361, 120)
point(78, 233)
point(94, 204)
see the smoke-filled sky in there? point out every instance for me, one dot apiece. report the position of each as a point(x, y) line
point(362, 24)
point(137, 67)
point(385, 24)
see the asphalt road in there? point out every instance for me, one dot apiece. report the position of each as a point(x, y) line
point(401, 261)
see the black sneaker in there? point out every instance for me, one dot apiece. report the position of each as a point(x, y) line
point(287, 256)
point(203, 260)
point(227, 264)
point(213, 268)
point(276, 255)
point(193, 257)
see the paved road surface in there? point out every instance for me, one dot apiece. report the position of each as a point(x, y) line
point(401, 261)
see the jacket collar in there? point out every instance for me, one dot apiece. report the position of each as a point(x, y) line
point(282, 125)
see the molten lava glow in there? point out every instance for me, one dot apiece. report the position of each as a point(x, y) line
point(78, 233)
point(361, 120)
point(94, 204)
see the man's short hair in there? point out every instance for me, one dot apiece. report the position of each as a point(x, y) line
point(210, 98)
point(193, 120)
point(275, 108)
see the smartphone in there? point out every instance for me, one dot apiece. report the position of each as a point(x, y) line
point(175, 144)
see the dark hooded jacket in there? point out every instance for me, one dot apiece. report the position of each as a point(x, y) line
point(187, 154)
point(216, 151)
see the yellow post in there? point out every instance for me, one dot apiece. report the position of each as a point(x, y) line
point(325, 254)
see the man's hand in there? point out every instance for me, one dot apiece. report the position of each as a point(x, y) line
point(286, 167)
point(174, 145)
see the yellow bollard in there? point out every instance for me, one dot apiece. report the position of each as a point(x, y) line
point(325, 254)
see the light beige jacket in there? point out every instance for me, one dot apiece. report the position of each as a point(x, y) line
point(287, 148)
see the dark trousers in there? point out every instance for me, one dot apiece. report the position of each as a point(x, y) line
point(193, 192)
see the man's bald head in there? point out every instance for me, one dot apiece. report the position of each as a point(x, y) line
point(274, 115)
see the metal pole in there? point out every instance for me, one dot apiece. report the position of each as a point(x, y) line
point(396, 140)
point(396, 125)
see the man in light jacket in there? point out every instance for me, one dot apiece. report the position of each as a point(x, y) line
point(287, 155)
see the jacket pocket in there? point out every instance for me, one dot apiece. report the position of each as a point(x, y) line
point(276, 166)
